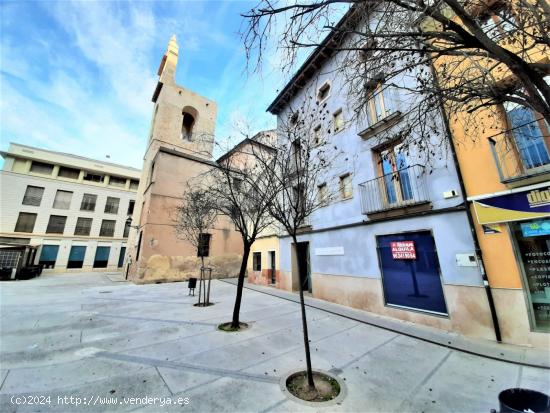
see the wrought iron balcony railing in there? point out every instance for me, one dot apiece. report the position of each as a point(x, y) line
point(402, 188)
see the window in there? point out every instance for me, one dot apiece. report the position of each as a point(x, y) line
point(257, 261)
point(299, 200)
point(366, 52)
point(101, 257)
point(88, 202)
point(56, 224)
point(134, 184)
point(25, 222)
point(294, 118)
point(116, 181)
point(41, 168)
point(33, 195)
point(338, 121)
point(204, 245)
point(111, 206)
point(394, 169)
point(48, 255)
point(380, 104)
point(497, 21)
point(69, 173)
point(152, 173)
point(346, 187)
point(317, 135)
point(76, 257)
point(323, 92)
point(187, 123)
point(131, 205)
point(237, 184)
point(296, 154)
point(83, 226)
point(530, 134)
point(62, 199)
point(322, 193)
point(126, 229)
point(107, 228)
point(93, 177)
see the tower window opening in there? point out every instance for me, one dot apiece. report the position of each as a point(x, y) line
point(187, 126)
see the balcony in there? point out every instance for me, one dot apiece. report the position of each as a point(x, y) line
point(396, 193)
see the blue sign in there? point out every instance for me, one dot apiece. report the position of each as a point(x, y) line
point(536, 228)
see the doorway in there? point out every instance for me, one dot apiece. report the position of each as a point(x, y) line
point(273, 277)
point(303, 267)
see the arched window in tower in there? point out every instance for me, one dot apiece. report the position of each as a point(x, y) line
point(187, 126)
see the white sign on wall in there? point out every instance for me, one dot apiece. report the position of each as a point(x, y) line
point(329, 251)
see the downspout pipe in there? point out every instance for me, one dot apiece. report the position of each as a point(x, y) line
point(471, 221)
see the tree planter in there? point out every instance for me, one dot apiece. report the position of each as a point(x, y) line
point(202, 304)
point(226, 327)
point(329, 390)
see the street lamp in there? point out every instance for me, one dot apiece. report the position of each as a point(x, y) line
point(129, 223)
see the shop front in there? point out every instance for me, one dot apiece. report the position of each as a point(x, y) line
point(527, 214)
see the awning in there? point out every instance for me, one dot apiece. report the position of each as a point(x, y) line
point(517, 206)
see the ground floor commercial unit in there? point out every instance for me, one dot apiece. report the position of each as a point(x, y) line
point(263, 266)
point(514, 233)
point(67, 254)
point(420, 269)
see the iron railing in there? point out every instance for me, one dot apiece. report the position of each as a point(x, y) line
point(402, 188)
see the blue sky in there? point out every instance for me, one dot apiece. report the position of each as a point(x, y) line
point(77, 76)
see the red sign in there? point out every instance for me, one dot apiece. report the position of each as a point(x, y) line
point(403, 250)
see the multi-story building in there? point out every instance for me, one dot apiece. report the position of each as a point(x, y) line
point(396, 239)
point(509, 195)
point(74, 209)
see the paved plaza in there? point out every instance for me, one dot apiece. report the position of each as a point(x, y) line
point(103, 341)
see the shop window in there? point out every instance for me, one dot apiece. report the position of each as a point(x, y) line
point(56, 224)
point(101, 258)
point(48, 256)
point(25, 222)
point(533, 240)
point(76, 257)
point(33, 195)
point(257, 261)
point(62, 199)
point(83, 226)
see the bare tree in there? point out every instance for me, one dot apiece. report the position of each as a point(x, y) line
point(195, 216)
point(299, 177)
point(238, 187)
point(472, 56)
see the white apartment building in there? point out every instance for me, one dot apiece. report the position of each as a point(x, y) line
point(74, 209)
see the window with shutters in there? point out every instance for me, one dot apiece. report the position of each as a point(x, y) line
point(107, 228)
point(88, 202)
point(56, 224)
point(111, 206)
point(83, 226)
point(25, 222)
point(41, 168)
point(33, 195)
point(62, 199)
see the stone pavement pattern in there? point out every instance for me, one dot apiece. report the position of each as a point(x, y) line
point(91, 335)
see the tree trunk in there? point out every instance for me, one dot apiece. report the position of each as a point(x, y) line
point(301, 277)
point(240, 286)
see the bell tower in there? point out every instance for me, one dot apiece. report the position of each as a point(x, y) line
point(179, 149)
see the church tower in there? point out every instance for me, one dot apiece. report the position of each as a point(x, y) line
point(179, 148)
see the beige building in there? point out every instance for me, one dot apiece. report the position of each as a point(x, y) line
point(179, 149)
point(74, 209)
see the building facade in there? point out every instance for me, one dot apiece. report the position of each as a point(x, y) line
point(396, 238)
point(179, 150)
point(73, 208)
point(509, 197)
